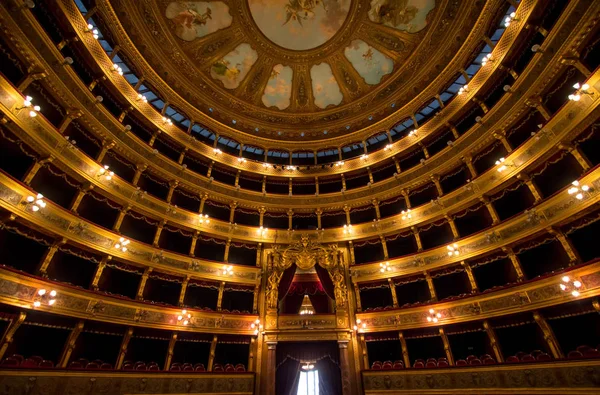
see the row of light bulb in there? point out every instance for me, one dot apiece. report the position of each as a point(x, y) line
point(184, 317)
point(36, 202)
point(257, 326)
point(43, 296)
point(27, 103)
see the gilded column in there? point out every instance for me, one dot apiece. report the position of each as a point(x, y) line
point(470, 275)
point(393, 291)
point(172, 185)
point(404, 193)
point(453, 130)
point(9, 333)
point(140, 168)
point(491, 209)
point(232, 207)
point(140, 291)
point(501, 135)
point(184, 286)
point(45, 262)
point(405, 356)
point(290, 214)
point(158, 232)
point(211, 355)
point(183, 153)
point(261, 218)
point(34, 168)
point(447, 347)
point(227, 248)
point(347, 211)
point(72, 114)
point(123, 348)
point(370, 174)
point(397, 164)
point(220, 296)
point(493, 341)
point(438, 186)
point(33, 75)
point(351, 250)
point(99, 271)
point(106, 146)
point(120, 218)
point(365, 354)
point(514, 259)
point(357, 293)
point(431, 286)
point(194, 242)
point(580, 157)
point(203, 198)
point(375, 203)
point(319, 212)
point(81, 192)
point(415, 232)
point(453, 227)
point(70, 345)
point(536, 102)
point(317, 185)
point(345, 368)
point(255, 299)
point(384, 247)
point(532, 187)
point(271, 366)
point(566, 244)
point(169, 357)
point(468, 160)
point(548, 335)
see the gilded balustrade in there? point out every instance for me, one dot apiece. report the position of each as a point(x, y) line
point(65, 224)
point(573, 118)
point(20, 290)
point(224, 193)
point(534, 294)
point(559, 377)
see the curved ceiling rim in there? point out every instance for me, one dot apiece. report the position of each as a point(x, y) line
point(233, 160)
point(383, 125)
point(322, 112)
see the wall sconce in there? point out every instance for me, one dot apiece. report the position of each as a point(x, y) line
point(463, 89)
point(45, 297)
point(387, 147)
point(122, 244)
point(406, 214)
point(90, 29)
point(433, 316)
point(167, 121)
point(241, 160)
point(117, 69)
point(487, 58)
point(184, 317)
point(99, 99)
point(452, 249)
point(290, 167)
point(227, 270)
point(216, 151)
point(579, 90)
point(104, 172)
point(385, 267)
point(570, 286)
point(578, 190)
point(142, 98)
point(203, 219)
point(27, 104)
point(359, 326)
point(257, 326)
point(347, 229)
point(364, 157)
point(262, 231)
point(265, 165)
point(509, 19)
point(537, 48)
point(503, 166)
point(413, 133)
point(339, 163)
point(35, 203)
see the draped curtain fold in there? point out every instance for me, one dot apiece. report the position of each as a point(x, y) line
point(325, 356)
point(286, 281)
point(292, 304)
point(325, 280)
point(320, 303)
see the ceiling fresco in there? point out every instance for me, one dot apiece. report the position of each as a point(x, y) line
point(195, 19)
point(299, 24)
point(287, 69)
point(406, 15)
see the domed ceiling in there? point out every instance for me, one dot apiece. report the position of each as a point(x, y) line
point(297, 69)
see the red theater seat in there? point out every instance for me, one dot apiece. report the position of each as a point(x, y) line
point(46, 364)
point(512, 359)
point(544, 357)
point(442, 364)
point(527, 358)
point(461, 362)
point(419, 365)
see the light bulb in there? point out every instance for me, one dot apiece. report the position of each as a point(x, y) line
point(577, 284)
point(52, 293)
point(51, 302)
point(42, 292)
point(429, 319)
point(37, 303)
point(566, 279)
point(575, 293)
point(563, 287)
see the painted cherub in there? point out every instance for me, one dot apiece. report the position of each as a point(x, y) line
point(187, 20)
point(299, 10)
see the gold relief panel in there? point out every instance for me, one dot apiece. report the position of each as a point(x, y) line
point(307, 322)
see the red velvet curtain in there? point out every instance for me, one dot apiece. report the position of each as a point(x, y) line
point(286, 281)
point(320, 303)
point(292, 303)
point(286, 377)
point(326, 282)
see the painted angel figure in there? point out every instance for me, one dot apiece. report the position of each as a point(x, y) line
point(299, 10)
point(392, 12)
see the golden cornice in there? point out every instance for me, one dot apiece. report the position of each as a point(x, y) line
point(532, 295)
point(446, 157)
point(20, 290)
point(441, 80)
point(566, 125)
point(69, 226)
